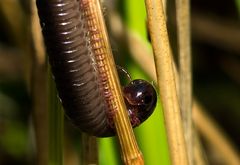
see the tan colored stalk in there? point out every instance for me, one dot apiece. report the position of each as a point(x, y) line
point(185, 75)
point(166, 82)
point(164, 2)
point(198, 116)
point(130, 151)
point(37, 37)
point(147, 64)
point(223, 145)
point(144, 58)
point(39, 89)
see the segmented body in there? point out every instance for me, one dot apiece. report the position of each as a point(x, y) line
point(73, 65)
point(77, 62)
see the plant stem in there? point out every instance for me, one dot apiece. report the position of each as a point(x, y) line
point(198, 116)
point(130, 151)
point(207, 129)
point(185, 75)
point(39, 89)
point(166, 82)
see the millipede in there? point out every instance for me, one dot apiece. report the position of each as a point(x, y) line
point(76, 58)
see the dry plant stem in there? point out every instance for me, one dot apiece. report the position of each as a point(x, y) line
point(213, 134)
point(164, 2)
point(185, 84)
point(144, 58)
point(37, 37)
point(166, 82)
point(147, 64)
point(39, 90)
point(199, 157)
point(130, 151)
point(90, 150)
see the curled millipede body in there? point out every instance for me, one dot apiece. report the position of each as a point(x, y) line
point(73, 65)
point(78, 69)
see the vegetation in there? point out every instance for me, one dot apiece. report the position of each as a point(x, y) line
point(34, 129)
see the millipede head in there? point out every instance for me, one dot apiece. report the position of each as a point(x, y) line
point(141, 98)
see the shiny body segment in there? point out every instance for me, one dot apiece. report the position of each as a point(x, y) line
point(73, 65)
point(77, 63)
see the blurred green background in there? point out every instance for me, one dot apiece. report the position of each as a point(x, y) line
point(216, 76)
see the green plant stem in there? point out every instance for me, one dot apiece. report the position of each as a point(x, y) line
point(55, 125)
point(166, 82)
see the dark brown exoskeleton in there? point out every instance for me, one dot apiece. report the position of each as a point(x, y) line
point(78, 81)
point(140, 99)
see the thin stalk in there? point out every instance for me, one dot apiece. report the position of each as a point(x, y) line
point(130, 151)
point(199, 117)
point(39, 89)
point(166, 82)
point(145, 60)
point(55, 125)
point(146, 55)
point(185, 74)
point(37, 37)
